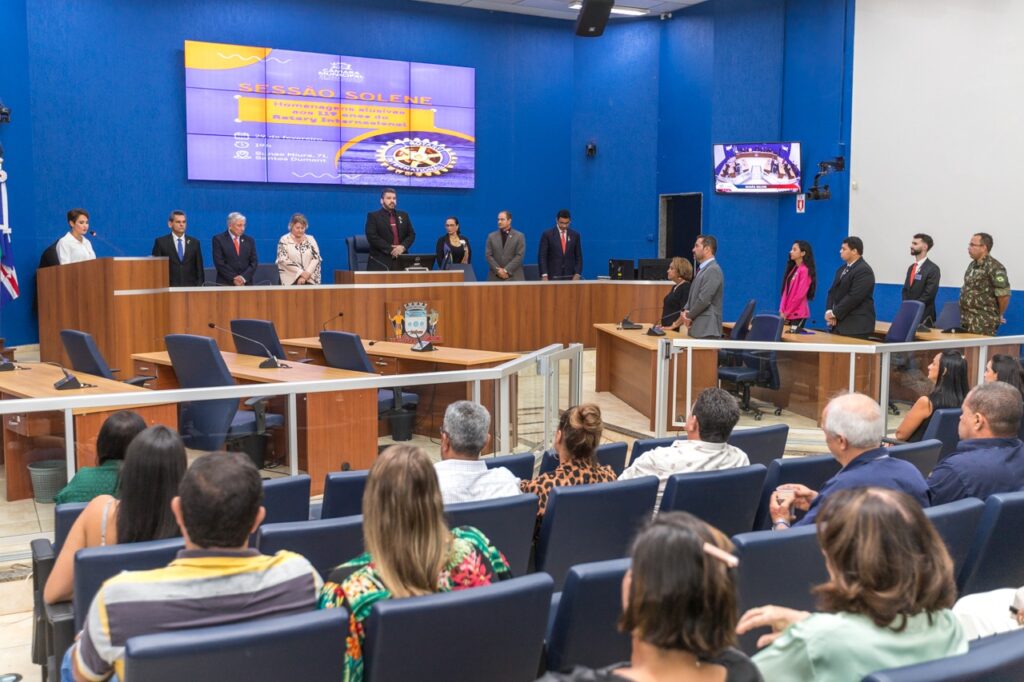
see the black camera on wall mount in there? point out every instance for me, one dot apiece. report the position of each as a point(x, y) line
point(822, 192)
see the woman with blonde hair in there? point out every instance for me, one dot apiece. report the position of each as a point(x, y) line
point(680, 273)
point(410, 550)
point(298, 256)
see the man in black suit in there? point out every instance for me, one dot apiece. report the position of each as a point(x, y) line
point(234, 253)
point(184, 254)
point(560, 255)
point(850, 309)
point(389, 232)
point(922, 280)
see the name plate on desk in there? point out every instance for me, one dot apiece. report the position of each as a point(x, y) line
point(413, 321)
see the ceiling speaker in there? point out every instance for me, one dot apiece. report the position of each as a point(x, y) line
point(593, 17)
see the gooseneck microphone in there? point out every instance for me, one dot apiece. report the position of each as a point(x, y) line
point(323, 327)
point(379, 262)
point(630, 324)
point(659, 329)
point(117, 250)
point(68, 381)
point(270, 363)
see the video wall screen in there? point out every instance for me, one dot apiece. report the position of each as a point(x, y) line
point(257, 114)
point(757, 168)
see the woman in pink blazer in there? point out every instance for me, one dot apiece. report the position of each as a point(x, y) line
point(798, 284)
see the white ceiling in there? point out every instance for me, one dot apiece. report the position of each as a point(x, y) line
point(559, 9)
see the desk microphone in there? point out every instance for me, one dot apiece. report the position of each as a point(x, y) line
point(6, 365)
point(658, 329)
point(379, 262)
point(68, 381)
point(630, 324)
point(323, 327)
point(270, 363)
point(117, 250)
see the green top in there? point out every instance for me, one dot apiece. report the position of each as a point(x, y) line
point(91, 482)
point(845, 647)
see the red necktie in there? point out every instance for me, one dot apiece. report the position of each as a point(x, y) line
point(394, 231)
point(913, 273)
point(563, 241)
point(238, 249)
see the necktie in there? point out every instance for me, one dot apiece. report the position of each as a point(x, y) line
point(504, 237)
point(913, 273)
point(395, 241)
point(238, 248)
point(563, 241)
point(181, 249)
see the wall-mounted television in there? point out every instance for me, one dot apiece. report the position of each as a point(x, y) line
point(757, 168)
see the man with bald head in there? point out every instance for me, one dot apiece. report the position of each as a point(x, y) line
point(989, 458)
point(853, 426)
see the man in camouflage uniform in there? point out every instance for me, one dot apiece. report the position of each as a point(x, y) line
point(986, 290)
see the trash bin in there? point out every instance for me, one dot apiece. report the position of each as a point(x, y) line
point(48, 477)
point(254, 445)
point(401, 421)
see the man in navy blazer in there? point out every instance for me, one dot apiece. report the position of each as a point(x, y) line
point(561, 254)
point(234, 253)
point(184, 254)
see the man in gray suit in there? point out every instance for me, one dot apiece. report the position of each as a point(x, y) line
point(505, 250)
point(703, 312)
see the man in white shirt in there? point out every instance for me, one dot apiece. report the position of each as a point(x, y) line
point(465, 432)
point(711, 421)
point(74, 247)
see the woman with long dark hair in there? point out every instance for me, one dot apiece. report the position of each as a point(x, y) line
point(799, 284)
point(1005, 368)
point(117, 433)
point(451, 247)
point(948, 372)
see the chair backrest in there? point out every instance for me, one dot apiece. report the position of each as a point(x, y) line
point(994, 659)
point(302, 646)
point(765, 328)
point(763, 444)
point(740, 328)
point(49, 256)
point(583, 631)
point(610, 454)
point(266, 274)
point(548, 462)
point(468, 275)
point(326, 543)
point(508, 522)
point(905, 323)
point(726, 499)
point(344, 350)
point(642, 445)
point(924, 454)
point(994, 558)
point(592, 523)
point(949, 316)
point(531, 272)
point(209, 275)
point(520, 465)
point(343, 494)
point(84, 354)
point(358, 251)
point(286, 499)
point(493, 633)
point(811, 471)
point(943, 425)
point(94, 565)
point(64, 516)
point(260, 330)
point(957, 523)
point(778, 567)
point(197, 362)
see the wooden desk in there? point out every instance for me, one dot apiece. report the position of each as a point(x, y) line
point(626, 368)
point(396, 276)
point(28, 437)
point(336, 428)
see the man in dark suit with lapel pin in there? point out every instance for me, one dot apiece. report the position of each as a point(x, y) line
point(389, 232)
point(184, 254)
point(560, 255)
point(234, 253)
point(850, 309)
point(922, 280)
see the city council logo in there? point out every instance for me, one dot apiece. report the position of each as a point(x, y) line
point(415, 157)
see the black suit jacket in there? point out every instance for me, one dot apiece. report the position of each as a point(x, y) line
point(378, 234)
point(183, 273)
point(923, 288)
point(550, 259)
point(851, 299)
point(228, 263)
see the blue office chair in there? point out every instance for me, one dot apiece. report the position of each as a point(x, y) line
point(344, 350)
point(493, 633)
point(64, 516)
point(86, 357)
point(207, 424)
point(531, 272)
point(726, 499)
point(520, 465)
point(286, 499)
point(739, 332)
point(468, 275)
point(811, 471)
point(303, 646)
point(508, 522)
point(905, 323)
point(209, 276)
point(343, 494)
point(592, 523)
point(949, 316)
point(758, 368)
point(260, 330)
point(993, 560)
point(778, 567)
point(609, 454)
point(266, 274)
point(763, 444)
point(358, 252)
point(999, 658)
point(583, 629)
point(957, 523)
point(924, 455)
point(642, 445)
point(943, 426)
point(326, 543)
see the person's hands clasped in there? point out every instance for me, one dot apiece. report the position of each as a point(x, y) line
point(785, 499)
point(397, 250)
point(778, 618)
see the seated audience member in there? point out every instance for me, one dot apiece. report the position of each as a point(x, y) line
point(465, 432)
point(989, 458)
point(215, 580)
point(885, 605)
point(409, 549)
point(709, 425)
point(990, 613)
point(153, 467)
point(117, 432)
point(1005, 368)
point(853, 428)
point(576, 441)
point(948, 373)
point(675, 635)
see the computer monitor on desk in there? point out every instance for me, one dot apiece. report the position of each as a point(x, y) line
point(653, 269)
point(416, 261)
point(621, 268)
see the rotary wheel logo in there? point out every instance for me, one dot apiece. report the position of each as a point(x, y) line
point(415, 157)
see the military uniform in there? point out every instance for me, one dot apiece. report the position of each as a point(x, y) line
point(984, 282)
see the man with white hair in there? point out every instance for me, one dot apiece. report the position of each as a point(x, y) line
point(853, 428)
point(234, 253)
point(465, 432)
